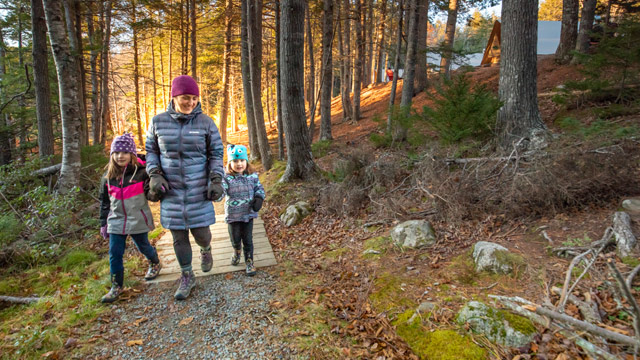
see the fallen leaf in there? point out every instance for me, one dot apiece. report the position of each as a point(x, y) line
point(51, 355)
point(134, 342)
point(186, 321)
point(140, 321)
point(229, 276)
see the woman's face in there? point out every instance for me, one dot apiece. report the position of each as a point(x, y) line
point(185, 103)
point(238, 165)
point(122, 158)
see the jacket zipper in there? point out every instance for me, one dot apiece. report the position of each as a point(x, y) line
point(145, 217)
point(124, 209)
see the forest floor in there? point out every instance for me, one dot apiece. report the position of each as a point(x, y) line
point(328, 299)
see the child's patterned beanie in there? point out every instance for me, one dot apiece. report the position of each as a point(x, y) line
point(237, 152)
point(124, 143)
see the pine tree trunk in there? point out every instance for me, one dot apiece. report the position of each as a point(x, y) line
point(162, 78)
point(345, 67)
point(116, 115)
point(380, 58)
point(311, 79)
point(400, 132)
point(169, 70)
point(421, 79)
point(66, 69)
point(93, 63)
point(76, 49)
point(22, 128)
point(327, 71)
point(369, 63)
point(396, 65)
point(586, 25)
point(194, 53)
point(226, 68)
point(246, 81)
point(278, 85)
point(41, 79)
point(447, 44)
point(255, 57)
point(357, 67)
point(136, 69)
point(153, 77)
point(5, 134)
point(104, 109)
point(518, 90)
point(300, 163)
point(568, 31)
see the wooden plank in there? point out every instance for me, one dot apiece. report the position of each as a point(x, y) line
point(216, 270)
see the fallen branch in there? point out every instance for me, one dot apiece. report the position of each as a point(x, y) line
point(49, 170)
point(632, 275)
point(588, 309)
point(626, 291)
point(19, 300)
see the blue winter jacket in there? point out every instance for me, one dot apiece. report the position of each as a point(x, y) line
point(187, 148)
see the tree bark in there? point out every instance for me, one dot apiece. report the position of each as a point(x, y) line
point(396, 64)
point(449, 35)
point(568, 31)
point(93, 63)
point(278, 85)
point(327, 71)
point(83, 76)
point(586, 25)
point(421, 79)
point(345, 66)
point(66, 69)
point(357, 68)
point(194, 52)
point(22, 129)
point(311, 79)
point(400, 132)
point(226, 68)
point(255, 63)
point(5, 134)
point(246, 81)
point(136, 67)
point(379, 57)
point(104, 108)
point(41, 79)
point(518, 72)
point(76, 49)
point(300, 163)
point(153, 77)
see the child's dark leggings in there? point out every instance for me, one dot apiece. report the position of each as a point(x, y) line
point(182, 246)
point(241, 234)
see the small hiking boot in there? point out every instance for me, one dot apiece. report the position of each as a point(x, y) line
point(187, 283)
point(113, 294)
point(235, 259)
point(206, 260)
point(153, 271)
point(251, 269)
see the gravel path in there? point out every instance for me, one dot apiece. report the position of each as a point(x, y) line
point(227, 316)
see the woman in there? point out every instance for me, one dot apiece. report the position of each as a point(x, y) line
point(184, 162)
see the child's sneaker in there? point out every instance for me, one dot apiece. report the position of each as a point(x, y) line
point(153, 271)
point(235, 259)
point(251, 269)
point(206, 260)
point(113, 294)
point(187, 282)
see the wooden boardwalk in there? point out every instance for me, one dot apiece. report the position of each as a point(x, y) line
point(220, 248)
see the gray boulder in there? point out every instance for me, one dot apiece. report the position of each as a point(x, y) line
point(499, 326)
point(492, 257)
point(414, 234)
point(294, 214)
point(625, 240)
point(632, 205)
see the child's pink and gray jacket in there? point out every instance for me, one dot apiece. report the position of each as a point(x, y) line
point(123, 202)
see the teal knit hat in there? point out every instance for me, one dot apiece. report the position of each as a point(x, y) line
point(238, 152)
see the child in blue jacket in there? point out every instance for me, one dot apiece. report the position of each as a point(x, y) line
point(244, 197)
point(124, 211)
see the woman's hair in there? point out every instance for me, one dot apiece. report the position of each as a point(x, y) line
point(114, 171)
point(247, 171)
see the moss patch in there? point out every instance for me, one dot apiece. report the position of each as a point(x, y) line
point(380, 244)
point(437, 345)
point(462, 269)
point(388, 293)
point(334, 254)
point(515, 261)
point(631, 261)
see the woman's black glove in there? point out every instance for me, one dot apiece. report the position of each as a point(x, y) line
point(215, 190)
point(256, 203)
point(158, 184)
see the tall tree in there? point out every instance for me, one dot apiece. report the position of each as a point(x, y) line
point(568, 31)
point(379, 64)
point(194, 53)
point(83, 76)
point(226, 68)
point(105, 115)
point(279, 83)
point(311, 79)
point(246, 80)
point(421, 79)
point(367, 26)
point(255, 64)
point(41, 79)
point(300, 163)
point(400, 132)
point(586, 25)
point(5, 126)
point(357, 68)
point(136, 67)
point(449, 34)
point(519, 115)
point(95, 86)
point(75, 42)
point(345, 62)
point(396, 65)
point(327, 71)
point(66, 70)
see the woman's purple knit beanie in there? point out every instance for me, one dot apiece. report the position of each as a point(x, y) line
point(184, 85)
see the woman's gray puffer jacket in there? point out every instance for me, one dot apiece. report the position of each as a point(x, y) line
point(186, 148)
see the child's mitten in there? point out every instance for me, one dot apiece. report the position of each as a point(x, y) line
point(103, 232)
point(256, 203)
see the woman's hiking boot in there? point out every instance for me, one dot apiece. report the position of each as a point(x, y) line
point(235, 259)
point(153, 270)
point(251, 269)
point(207, 260)
point(187, 282)
point(116, 288)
